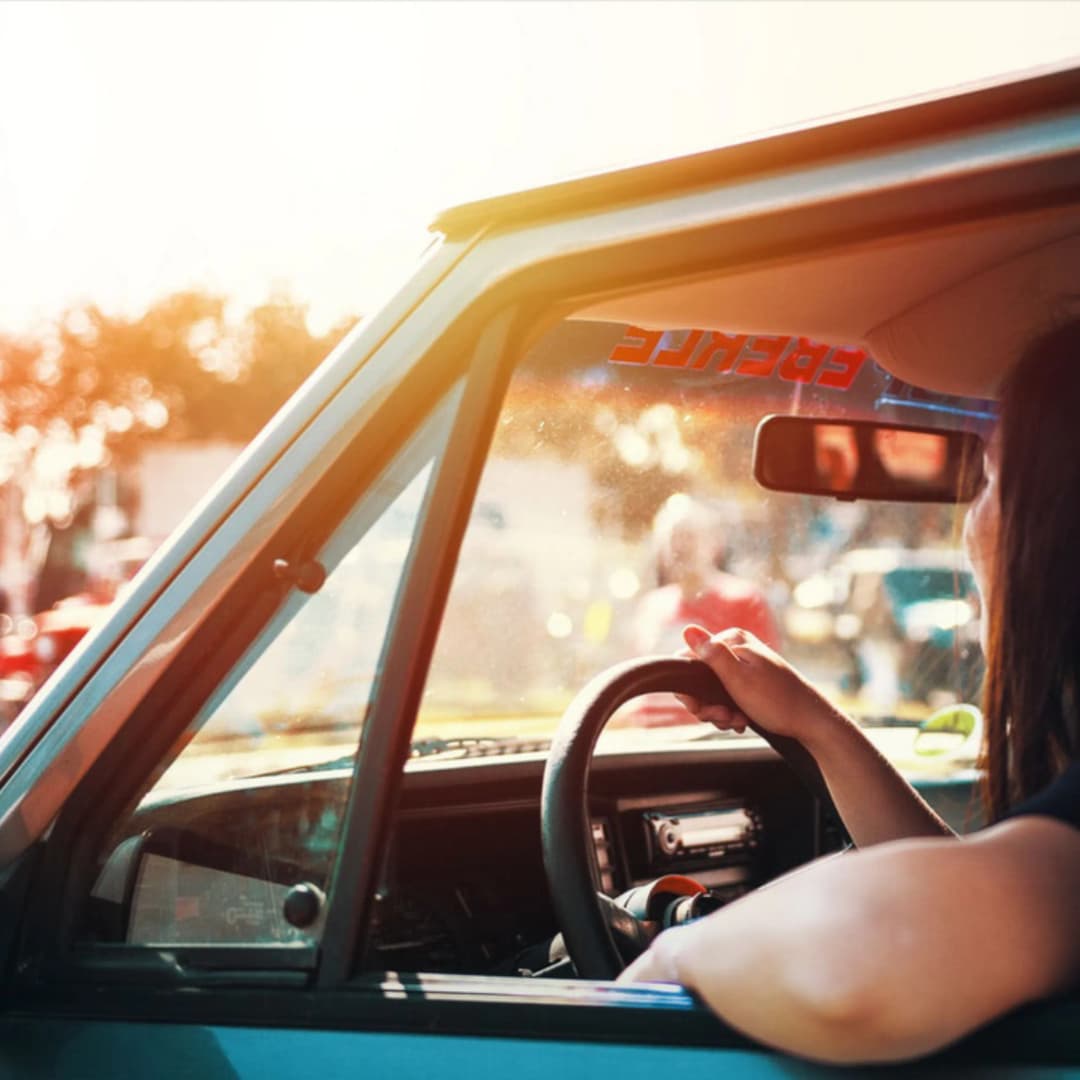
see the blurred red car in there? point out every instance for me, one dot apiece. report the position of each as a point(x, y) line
point(33, 646)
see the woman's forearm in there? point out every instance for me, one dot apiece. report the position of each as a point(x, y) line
point(786, 965)
point(882, 955)
point(875, 802)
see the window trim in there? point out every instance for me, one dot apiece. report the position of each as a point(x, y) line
point(410, 643)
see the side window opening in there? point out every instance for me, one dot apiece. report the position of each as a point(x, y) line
point(617, 504)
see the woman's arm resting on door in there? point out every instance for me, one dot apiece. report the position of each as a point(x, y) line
point(893, 952)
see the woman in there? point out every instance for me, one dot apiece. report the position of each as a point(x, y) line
point(919, 937)
point(691, 588)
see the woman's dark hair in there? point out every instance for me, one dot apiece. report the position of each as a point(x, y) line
point(1033, 661)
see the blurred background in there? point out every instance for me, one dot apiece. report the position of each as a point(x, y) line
point(198, 201)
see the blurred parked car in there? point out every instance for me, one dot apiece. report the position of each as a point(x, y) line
point(32, 646)
point(910, 613)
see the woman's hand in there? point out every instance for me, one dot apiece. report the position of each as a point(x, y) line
point(874, 800)
point(764, 686)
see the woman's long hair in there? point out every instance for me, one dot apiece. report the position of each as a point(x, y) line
point(1033, 647)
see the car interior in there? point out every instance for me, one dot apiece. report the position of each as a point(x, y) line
point(247, 858)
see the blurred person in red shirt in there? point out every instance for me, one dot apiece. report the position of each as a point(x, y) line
point(691, 589)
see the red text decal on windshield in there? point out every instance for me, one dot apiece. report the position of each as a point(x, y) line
point(795, 359)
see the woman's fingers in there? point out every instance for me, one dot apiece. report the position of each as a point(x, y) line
point(734, 644)
point(719, 651)
point(739, 661)
point(690, 704)
point(722, 717)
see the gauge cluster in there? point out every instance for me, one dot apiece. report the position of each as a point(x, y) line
point(463, 892)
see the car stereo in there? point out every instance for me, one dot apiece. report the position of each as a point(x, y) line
point(679, 840)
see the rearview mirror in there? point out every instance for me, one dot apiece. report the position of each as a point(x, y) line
point(864, 459)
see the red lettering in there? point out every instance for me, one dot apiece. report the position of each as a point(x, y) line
point(803, 360)
point(680, 356)
point(800, 359)
point(760, 354)
point(636, 347)
point(841, 378)
point(727, 346)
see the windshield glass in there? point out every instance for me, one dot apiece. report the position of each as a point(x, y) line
point(618, 504)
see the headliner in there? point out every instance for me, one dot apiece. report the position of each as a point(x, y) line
point(928, 306)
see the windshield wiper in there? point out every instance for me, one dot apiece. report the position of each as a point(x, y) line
point(478, 746)
point(470, 747)
point(344, 762)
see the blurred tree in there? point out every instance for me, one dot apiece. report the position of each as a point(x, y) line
point(278, 352)
point(95, 388)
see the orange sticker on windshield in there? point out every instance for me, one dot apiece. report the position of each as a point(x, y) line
point(758, 356)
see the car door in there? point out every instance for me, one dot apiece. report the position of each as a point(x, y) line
point(392, 434)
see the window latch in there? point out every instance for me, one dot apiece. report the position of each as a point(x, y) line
point(307, 575)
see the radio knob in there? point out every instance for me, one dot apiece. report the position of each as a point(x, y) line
point(668, 838)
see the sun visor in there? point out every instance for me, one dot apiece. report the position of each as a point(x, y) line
point(963, 339)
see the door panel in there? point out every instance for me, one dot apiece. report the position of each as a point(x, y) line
point(88, 1050)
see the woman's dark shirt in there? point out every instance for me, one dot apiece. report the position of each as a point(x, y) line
point(1060, 799)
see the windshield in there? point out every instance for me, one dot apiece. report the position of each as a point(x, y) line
point(618, 504)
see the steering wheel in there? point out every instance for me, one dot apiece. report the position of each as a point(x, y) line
point(566, 836)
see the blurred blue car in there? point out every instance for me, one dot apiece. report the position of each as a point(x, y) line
point(897, 623)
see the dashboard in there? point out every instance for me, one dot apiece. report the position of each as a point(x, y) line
point(463, 887)
point(467, 862)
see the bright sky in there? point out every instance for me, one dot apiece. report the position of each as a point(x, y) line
point(247, 146)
